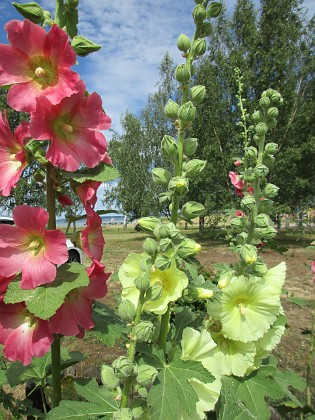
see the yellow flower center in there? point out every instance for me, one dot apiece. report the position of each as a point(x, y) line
point(35, 244)
point(43, 71)
point(242, 308)
point(40, 72)
point(160, 278)
point(67, 128)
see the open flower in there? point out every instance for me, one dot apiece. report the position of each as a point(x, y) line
point(75, 314)
point(87, 192)
point(236, 181)
point(72, 128)
point(12, 154)
point(22, 333)
point(29, 248)
point(37, 63)
point(172, 282)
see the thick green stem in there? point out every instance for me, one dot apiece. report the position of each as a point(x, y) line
point(165, 320)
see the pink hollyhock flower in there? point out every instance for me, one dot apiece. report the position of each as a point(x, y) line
point(239, 213)
point(238, 163)
point(87, 192)
point(236, 181)
point(22, 333)
point(313, 270)
point(239, 192)
point(12, 154)
point(75, 314)
point(29, 248)
point(72, 126)
point(92, 236)
point(250, 190)
point(64, 200)
point(4, 283)
point(37, 63)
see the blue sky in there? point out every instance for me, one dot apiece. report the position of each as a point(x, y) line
point(135, 35)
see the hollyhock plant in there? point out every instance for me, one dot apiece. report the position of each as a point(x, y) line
point(12, 154)
point(87, 192)
point(29, 248)
point(75, 314)
point(72, 128)
point(22, 334)
point(37, 64)
point(92, 236)
point(236, 181)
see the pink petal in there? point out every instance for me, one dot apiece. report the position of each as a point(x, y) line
point(11, 236)
point(32, 219)
point(67, 85)
point(22, 96)
point(10, 173)
point(13, 66)
point(56, 249)
point(58, 48)
point(92, 113)
point(37, 270)
point(26, 36)
point(97, 287)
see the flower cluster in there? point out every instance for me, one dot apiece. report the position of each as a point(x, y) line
point(37, 64)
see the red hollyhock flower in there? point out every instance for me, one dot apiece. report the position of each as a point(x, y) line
point(238, 163)
point(64, 200)
point(22, 333)
point(75, 314)
point(250, 190)
point(239, 213)
point(37, 63)
point(92, 236)
point(236, 181)
point(12, 154)
point(87, 192)
point(29, 248)
point(72, 127)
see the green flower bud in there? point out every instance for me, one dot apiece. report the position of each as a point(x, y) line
point(265, 206)
point(142, 282)
point(272, 112)
point(261, 129)
point(171, 109)
point(39, 175)
point(109, 379)
point(161, 176)
point(161, 231)
point(269, 92)
point(187, 112)
point(249, 253)
point(144, 331)
point(194, 167)
point(199, 14)
point(270, 191)
point(148, 223)
point(268, 233)
point(263, 220)
point(261, 170)
point(194, 293)
point(249, 175)
point(192, 209)
point(199, 47)
point(31, 11)
point(264, 102)
point(162, 262)
point(214, 10)
point(237, 224)
point(276, 99)
point(183, 43)
point(260, 268)
point(166, 244)
point(257, 117)
point(123, 367)
point(182, 74)
point(83, 46)
point(248, 201)
point(150, 246)
point(241, 238)
point(251, 153)
point(272, 123)
point(206, 29)
point(197, 94)
point(146, 375)
point(190, 146)
point(154, 292)
point(271, 148)
point(126, 310)
point(179, 185)
point(169, 148)
point(188, 248)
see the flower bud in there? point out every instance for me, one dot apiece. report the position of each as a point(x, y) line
point(171, 109)
point(31, 11)
point(237, 224)
point(272, 112)
point(249, 175)
point(182, 74)
point(150, 246)
point(264, 102)
point(261, 129)
point(39, 175)
point(196, 293)
point(169, 148)
point(161, 231)
point(83, 46)
point(162, 262)
point(199, 47)
point(199, 14)
point(270, 191)
point(161, 176)
point(192, 209)
point(187, 112)
point(190, 146)
point(248, 201)
point(271, 148)
point(265, 206)
point(146, 375)
point(109, 379)
point(260, 268)
point(261, 170)
point(142, 282)
point(269, 232)
point(263, 220)
point(144, 331)
point(123, 367)
point(249, 253)
point(257, 117)
point(251, 153)
point(179, 185)
point(154, 292)
point(194, 167)
point(214, 10)
point(272, 123)
point(222, 283)
point(183, 43)
point(126, 310)
point(166, 244)
point(197, 94)
point(188, 248)
point(241, 238)
point(276, 99)
point(269, 92)
point(206, 29)
point(148, 223)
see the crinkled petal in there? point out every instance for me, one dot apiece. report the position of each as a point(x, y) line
point(26, 36)
point(196, 345)
point(56, 249)
point(208, 395)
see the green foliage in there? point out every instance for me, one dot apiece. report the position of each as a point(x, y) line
point(101, 173)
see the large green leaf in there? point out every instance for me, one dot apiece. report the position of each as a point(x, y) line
point(287, 379)
point(108, 326)
point(101, 173)
point(183, 318)
point(43, 301)
point(70, 18)
point(173, 397)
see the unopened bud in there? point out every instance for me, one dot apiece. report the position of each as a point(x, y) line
point(263, 220)
point(248, 201)
point(169, 148)
point(199, 14)
point(197, 94)
point(188, 248)
point(265, 206)
point(126, 310)
point(276, 99)
point(183, 43)
point(162, 262)
point(190, 146)
point(146, 375)
point(144, 331)
point(142, 282)
point(269, 232)
point(83, 46)
point(271, 148)
point(171, 109)
point(166, 244)
point(264, 102)
point(261, 129)
point(187, 112)
point(182, 74)
point(192, 209)
point(161, 231)
point(249, 253)
point(109, 379)
point(251, 153)
point(150, 246)
point(272, 123)
point(261, 170)
point(257, 117)
point(161, 176)
point(272, 112)
point(123, 367)
point(206, 29)
point(214, 10)
point(199, 47)
point(154, 292)
point(270, 191)
point(148, 223)
point(194, 167)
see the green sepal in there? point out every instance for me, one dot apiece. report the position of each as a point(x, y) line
point(83, 46)
point(31, 11)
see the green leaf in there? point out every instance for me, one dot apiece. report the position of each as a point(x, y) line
point(288, 379)
point(101, 173)
point(71, 410)
point(70, 18)
point(297, 301)
point(173, 396)
point(108, 326)
point(100, 395)
point(3, 377)
point(183, 318)
point(43, 301)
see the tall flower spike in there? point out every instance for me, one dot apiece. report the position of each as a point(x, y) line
point(37, 63)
